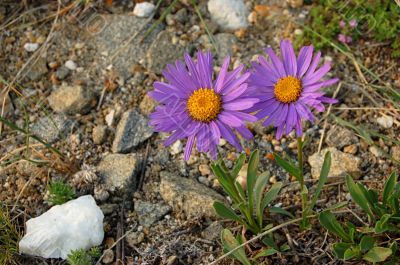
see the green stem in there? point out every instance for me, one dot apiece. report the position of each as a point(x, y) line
point(303, 188)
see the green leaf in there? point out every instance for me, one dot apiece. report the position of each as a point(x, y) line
point(326, 166)
point(377, 254)
point(389, 188)
point(240, 191)
point(381, 225)
point(226, 182)
point(238, 165)
point(259, 187)
point(252, 176)
point(328, 220)
point(265, 253)
point(358, 195)
point(340, 248)
point(226, 212)
point(289, 167)
point(269, 241)
point(350, 253)
point(366, 243)
point(279, 210)
point(229, 242)
point(271, 194)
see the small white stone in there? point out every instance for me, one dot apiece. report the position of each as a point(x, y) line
point(385, 121)
point(110, 118)
point(328, 59)
point(176, 147)
point(31, 47)
point(229, 14)
point(222, 142)
point(71, 65)
point(143, 9)
point(77, 224)
point(298, 32)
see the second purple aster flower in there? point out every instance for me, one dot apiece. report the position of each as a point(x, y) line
point(195, 106)
point(289, 88)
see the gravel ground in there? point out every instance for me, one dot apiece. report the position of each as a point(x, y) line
point(83, 89)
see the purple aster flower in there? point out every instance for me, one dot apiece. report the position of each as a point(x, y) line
point(342, 38)
point(194, 106)
point(289, 89)
point(342, 24)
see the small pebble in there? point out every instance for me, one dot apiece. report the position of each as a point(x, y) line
point(31, 47)
point(385, 122)
point(110, 118)
point(204, 170)
point(143, 9)
point(176, 147)
point(71, 65)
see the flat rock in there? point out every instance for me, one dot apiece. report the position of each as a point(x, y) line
point(77, 224)
point(340, 137)
point(119, 171)
point(37, 69)
point(132, 130)
point(192, 198)
point(163, 52)
point(53, 127)
point(342, 164)
point(213, 231)
point(119, 42)
point(99, 134)
point(225, 42)
point(149, 213)
point(72, 100)
point(228, 14)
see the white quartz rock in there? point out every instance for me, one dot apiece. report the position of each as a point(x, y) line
point(143, 9)
point(229, 14)
point(73, 225)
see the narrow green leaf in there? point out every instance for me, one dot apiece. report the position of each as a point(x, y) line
point(229, 242)
point(366, 243)
point(238, 165)
point(252, 176)
point(271, 194)
point(241, 192)
point(358, 195)
point(381, 225)
point(389, 188)
point(226, 182)
point(328, 220)
point(265, 253)
point(226, 212)
point(326, 166)
point(377, 254)
point(279, 210)
point(290, 168)
point(259, 187)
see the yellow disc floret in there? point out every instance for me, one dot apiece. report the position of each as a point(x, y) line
point(204, 105)
point(287, 89)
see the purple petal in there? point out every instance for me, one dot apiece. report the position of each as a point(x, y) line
point(289, 58)
point(314, 64)
point(233, 94)
point(246, 133)
point(304, 60)
point(189, 147)
point(222, 74)
point(240, 104)
point(313, 78)
point(277, 63)
point(229, 119)
point(227, 133)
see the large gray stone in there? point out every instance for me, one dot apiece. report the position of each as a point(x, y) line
point(132, 130)
point(342, 164)
point(72, 100)
point(120, 44)
point(340, 137)
point(163, 52)
point(229, 14)
point(192, 198)
point(119, 171)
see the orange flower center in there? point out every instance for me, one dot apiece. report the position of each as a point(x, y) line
point(287, 89)
point(204, 105)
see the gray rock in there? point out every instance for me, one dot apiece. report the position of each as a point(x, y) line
point(213, 231)
point(342, 164)
point(224, 42)
point(37, 70)
point(189, 196)
point(99, 134)
point(229, 14)
point(163, 51)
point(52, 127)
point(62, 72)
point(119, 42)
point(181, 15)
point(340, 137)
point(108, 208)
point(72, 100)
point(119, 171)
point(149, 213)
point(132, 130)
